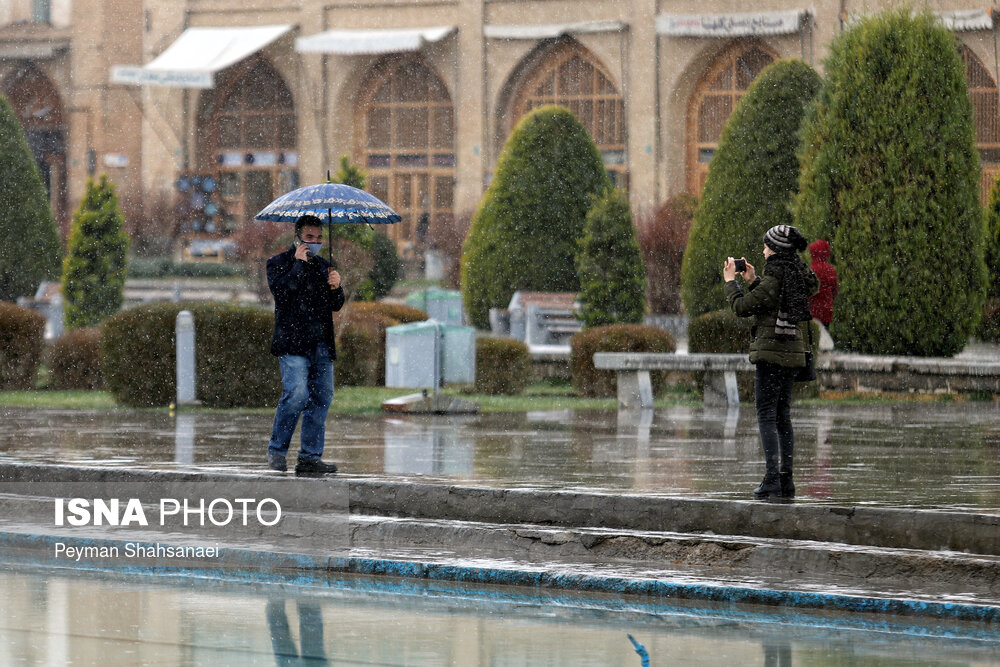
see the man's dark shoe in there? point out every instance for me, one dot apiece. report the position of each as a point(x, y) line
point(276, 462)
point(315, 468)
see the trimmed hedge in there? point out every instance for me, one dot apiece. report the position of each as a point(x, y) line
point(524, 234)
point(609, 263)
point(361, 350)
point(402, 313)
point(234, 367)
point(890, 177)
point(164, 267)
point(750, 182)
point(22, 334)
point(74, 360)
point(503, 366)
point(588, 381)
point(719, 331)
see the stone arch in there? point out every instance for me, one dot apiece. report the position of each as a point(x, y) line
point(715, 96)
point(405, 139)
point(247, 141)
point(566, 73)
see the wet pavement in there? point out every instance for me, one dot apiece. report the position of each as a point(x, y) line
point(943, 455)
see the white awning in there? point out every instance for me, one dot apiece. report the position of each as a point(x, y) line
point(959, 20)
point(194, 57)
point(549, 30)
point(357, 42)
point(966, 19)
point(731, 25)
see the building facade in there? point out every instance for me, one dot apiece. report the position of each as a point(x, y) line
point(247, 99)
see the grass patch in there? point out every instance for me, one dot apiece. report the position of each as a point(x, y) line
point(82, 400)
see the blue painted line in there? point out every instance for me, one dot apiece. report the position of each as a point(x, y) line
point(305, 569)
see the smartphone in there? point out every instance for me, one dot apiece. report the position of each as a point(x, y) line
point(741, 265)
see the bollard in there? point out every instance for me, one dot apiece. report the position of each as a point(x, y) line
point(184, 332)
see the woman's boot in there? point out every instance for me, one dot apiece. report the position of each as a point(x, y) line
point(770, 487)
point(786, 483)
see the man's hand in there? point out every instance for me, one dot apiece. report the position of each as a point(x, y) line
point(301, 252)
point(334, 279)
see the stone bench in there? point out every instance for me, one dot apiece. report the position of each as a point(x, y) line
point(635, 390)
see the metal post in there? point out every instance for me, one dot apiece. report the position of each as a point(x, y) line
point(184, 336)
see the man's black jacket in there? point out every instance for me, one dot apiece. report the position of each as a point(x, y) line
point(303, 304)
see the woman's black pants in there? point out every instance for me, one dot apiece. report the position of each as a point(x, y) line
point(773, 393)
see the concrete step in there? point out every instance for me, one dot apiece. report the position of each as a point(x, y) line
point(712, 560)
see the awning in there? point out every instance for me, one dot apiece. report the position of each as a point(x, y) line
point(194, 57)
point(959, 20)
point(358, 42)
point(549, 30)
point(966, 19)
point(731, 25)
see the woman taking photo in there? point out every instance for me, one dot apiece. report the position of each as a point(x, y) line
point(779, 304)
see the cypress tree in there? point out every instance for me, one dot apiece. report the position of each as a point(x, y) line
point(890, 177)
point(524, 233)
point(750, 181)
point(30, 251)
point(609, 264)
point(96, 262)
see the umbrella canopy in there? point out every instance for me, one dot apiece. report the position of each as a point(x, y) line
point(330, 202)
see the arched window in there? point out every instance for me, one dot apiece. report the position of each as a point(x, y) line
point(248, 142)
point(722, 86)
point(571, 77)
point(986, 115)
point(38, 107)
point(407, 140)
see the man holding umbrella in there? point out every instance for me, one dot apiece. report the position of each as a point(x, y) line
point(307, 291)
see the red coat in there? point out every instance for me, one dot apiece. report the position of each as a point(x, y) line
point(821, 305)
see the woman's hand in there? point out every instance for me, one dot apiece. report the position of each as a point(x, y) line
point(750, 274)
point(729, 269)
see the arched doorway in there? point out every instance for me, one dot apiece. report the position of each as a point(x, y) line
point(247, 140)
point(37, 104)
point(986, 115)
point(570, 76)
point(714, 99)
point(406, 140)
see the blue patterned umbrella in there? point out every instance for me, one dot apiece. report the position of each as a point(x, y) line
point(330, 202)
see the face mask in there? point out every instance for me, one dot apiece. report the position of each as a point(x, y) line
point(314, 248)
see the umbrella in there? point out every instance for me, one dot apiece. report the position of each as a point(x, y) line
point(332, 203)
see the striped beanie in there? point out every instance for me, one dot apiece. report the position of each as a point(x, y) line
point(783, 238)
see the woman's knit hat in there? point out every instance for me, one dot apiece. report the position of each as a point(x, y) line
point(785, 238)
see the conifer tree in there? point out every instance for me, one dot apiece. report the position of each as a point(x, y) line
point(524, 233)
point(96, 263)
point(30, 251)
point(609, 264)
point(890, 176)
point(750, 181)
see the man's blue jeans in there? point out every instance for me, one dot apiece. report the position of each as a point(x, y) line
point(307, 389)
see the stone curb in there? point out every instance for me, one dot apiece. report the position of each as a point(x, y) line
point(878, 527)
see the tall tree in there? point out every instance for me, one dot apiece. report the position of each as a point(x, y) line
point(890, 176)
point(30, 251)
point(96, 263)
point(609, 264)
point(751, 179)
point(524, 234)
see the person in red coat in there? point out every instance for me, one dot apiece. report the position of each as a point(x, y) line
point(821, 305)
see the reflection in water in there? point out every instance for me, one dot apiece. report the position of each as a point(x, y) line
point(310, 634)
point(944, 455)
point(89, 619)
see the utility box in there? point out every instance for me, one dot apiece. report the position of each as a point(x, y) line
point(458, 354)
point(429, 354)
point(410, 353)
point(445, 306)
